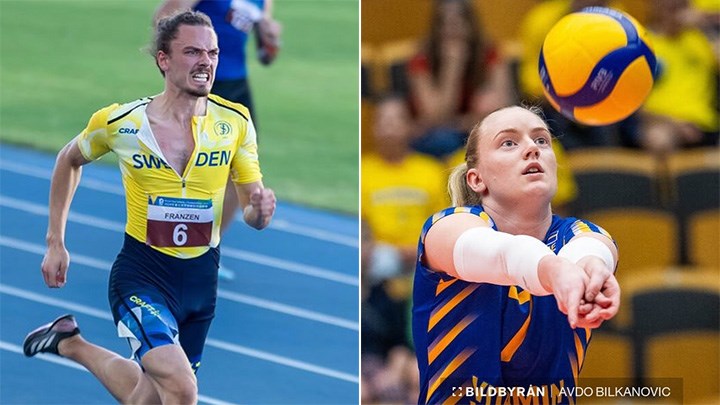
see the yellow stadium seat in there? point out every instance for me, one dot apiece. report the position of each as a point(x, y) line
point(692, 356)
point(383, 67)
point(674, 323)
point(645, 237)
point(608, 356)
point(694, 177)
point(614, 178)
point(392, 64)
point(704, 238)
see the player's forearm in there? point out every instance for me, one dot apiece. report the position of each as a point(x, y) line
point(268, 11)
point(168, 7)
point(65, 179)
point(549, 272)
point(449, 86)
point(482, 255)
point(438, 101)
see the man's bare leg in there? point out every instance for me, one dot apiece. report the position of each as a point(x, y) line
point(167, 379)
point(123, 378)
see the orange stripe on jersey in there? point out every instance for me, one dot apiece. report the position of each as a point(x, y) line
point(588, 333)
point(579, 349)
point(574, 367)
point(441, 343)
point(439, 313)
point(442, 285)
point(443, 374)
point(580, 227)
point(522, 298)
point(509, 350)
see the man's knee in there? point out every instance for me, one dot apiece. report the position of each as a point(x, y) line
point(169, 369)
point(181, 387)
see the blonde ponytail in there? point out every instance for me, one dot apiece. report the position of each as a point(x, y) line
point(460, 193)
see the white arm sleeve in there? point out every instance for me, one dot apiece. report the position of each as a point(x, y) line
point(483, 255)
point(581, 247)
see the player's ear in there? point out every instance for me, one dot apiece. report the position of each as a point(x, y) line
point(475, 181)
point(162, 60)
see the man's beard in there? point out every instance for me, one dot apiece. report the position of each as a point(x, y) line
point(198, 93)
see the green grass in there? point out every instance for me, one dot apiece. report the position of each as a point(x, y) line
point(64, 59)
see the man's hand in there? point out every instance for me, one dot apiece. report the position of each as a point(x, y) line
point(261, 208)
point(55, 266)
point(268, 40)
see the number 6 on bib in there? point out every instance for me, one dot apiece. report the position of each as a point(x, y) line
point(179, 222)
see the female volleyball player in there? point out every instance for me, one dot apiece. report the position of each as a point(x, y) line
point(506, 293)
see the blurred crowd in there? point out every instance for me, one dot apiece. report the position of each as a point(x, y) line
point(440, 86)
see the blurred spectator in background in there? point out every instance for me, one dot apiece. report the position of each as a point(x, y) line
point(681, 110)
point(537, 23)
point(389, 368)
point(234, 20)
point(399, 186)
point(455, 80)
point(705, 14)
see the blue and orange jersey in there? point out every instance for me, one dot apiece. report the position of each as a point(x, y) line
point(473, 338)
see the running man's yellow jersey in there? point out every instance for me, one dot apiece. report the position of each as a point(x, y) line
point(176, 213)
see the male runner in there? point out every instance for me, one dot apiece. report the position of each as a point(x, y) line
point(176, 151)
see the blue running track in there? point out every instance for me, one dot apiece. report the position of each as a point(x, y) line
point(286, 329)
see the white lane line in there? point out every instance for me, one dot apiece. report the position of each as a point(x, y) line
point(98, 185)
point(96, 222)
point(219, 344)
point(69, 363)
point(283, 360)
point(286, 265)
point(319, 234)
point(55, 302)
point(225, 294)
point(288, 309)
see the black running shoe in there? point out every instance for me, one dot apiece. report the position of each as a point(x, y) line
point(45, 339)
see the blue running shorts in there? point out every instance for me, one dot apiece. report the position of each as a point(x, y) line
point(159, 300)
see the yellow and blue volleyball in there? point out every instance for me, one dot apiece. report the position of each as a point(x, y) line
point(597, 66)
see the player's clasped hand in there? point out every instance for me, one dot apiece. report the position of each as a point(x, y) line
point(54, 267)
point(587, 292)
point(263, 202)
point(602, 293)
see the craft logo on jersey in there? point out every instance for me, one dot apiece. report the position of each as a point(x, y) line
point(222, 128)
point(131, 131)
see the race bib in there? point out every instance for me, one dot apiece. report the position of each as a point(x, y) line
point(179, 222)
